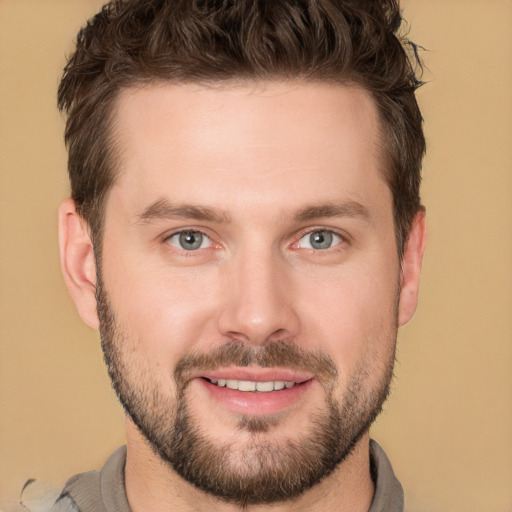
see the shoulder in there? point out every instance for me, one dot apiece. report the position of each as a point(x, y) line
point(38, 496)
point(92, 491)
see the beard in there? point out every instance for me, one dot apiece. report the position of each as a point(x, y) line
point(264, 470)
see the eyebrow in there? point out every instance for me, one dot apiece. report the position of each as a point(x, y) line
point(163, 209)
point(334, 209)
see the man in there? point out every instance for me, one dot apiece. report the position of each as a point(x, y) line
point(245, 231)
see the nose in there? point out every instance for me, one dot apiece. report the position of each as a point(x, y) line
point(258, 299)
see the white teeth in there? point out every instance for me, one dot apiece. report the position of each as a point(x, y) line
point(247, 385)
point(264, 387)
point(232, 384)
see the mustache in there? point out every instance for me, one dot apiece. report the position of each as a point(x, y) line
point(276, 354)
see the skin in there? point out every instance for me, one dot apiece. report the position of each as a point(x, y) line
point(261, 157)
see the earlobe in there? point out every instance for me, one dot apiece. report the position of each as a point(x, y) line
point(78, 262)
point(411, 268)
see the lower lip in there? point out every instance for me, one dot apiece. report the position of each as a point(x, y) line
point(256, 403)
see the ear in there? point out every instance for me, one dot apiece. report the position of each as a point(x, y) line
point(411, 267)
point(77, 262)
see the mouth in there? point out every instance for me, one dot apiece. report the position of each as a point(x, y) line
point(256, 393)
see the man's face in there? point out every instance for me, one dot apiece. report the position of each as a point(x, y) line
point(250, 280)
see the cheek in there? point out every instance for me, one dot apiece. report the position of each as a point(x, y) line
point(162, 312)
point(352, 317)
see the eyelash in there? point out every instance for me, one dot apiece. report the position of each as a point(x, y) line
point(196, 232)
point(335, 237)
point(341, 239)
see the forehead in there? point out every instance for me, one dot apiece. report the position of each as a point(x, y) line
point(265, 139)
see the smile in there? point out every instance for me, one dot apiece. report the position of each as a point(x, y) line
point(247, 385)
point(256, 392)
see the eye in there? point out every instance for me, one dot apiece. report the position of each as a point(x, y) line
point(189, 240)
point(319, 240)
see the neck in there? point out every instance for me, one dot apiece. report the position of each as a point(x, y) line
point(153, 486)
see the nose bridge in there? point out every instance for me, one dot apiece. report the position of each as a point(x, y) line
point(258, 304)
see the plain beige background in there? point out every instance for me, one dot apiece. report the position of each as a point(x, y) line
point(448, 425)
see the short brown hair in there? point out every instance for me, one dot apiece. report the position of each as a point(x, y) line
point(134, 42)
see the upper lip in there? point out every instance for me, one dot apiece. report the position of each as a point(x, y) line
point(256, 374)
